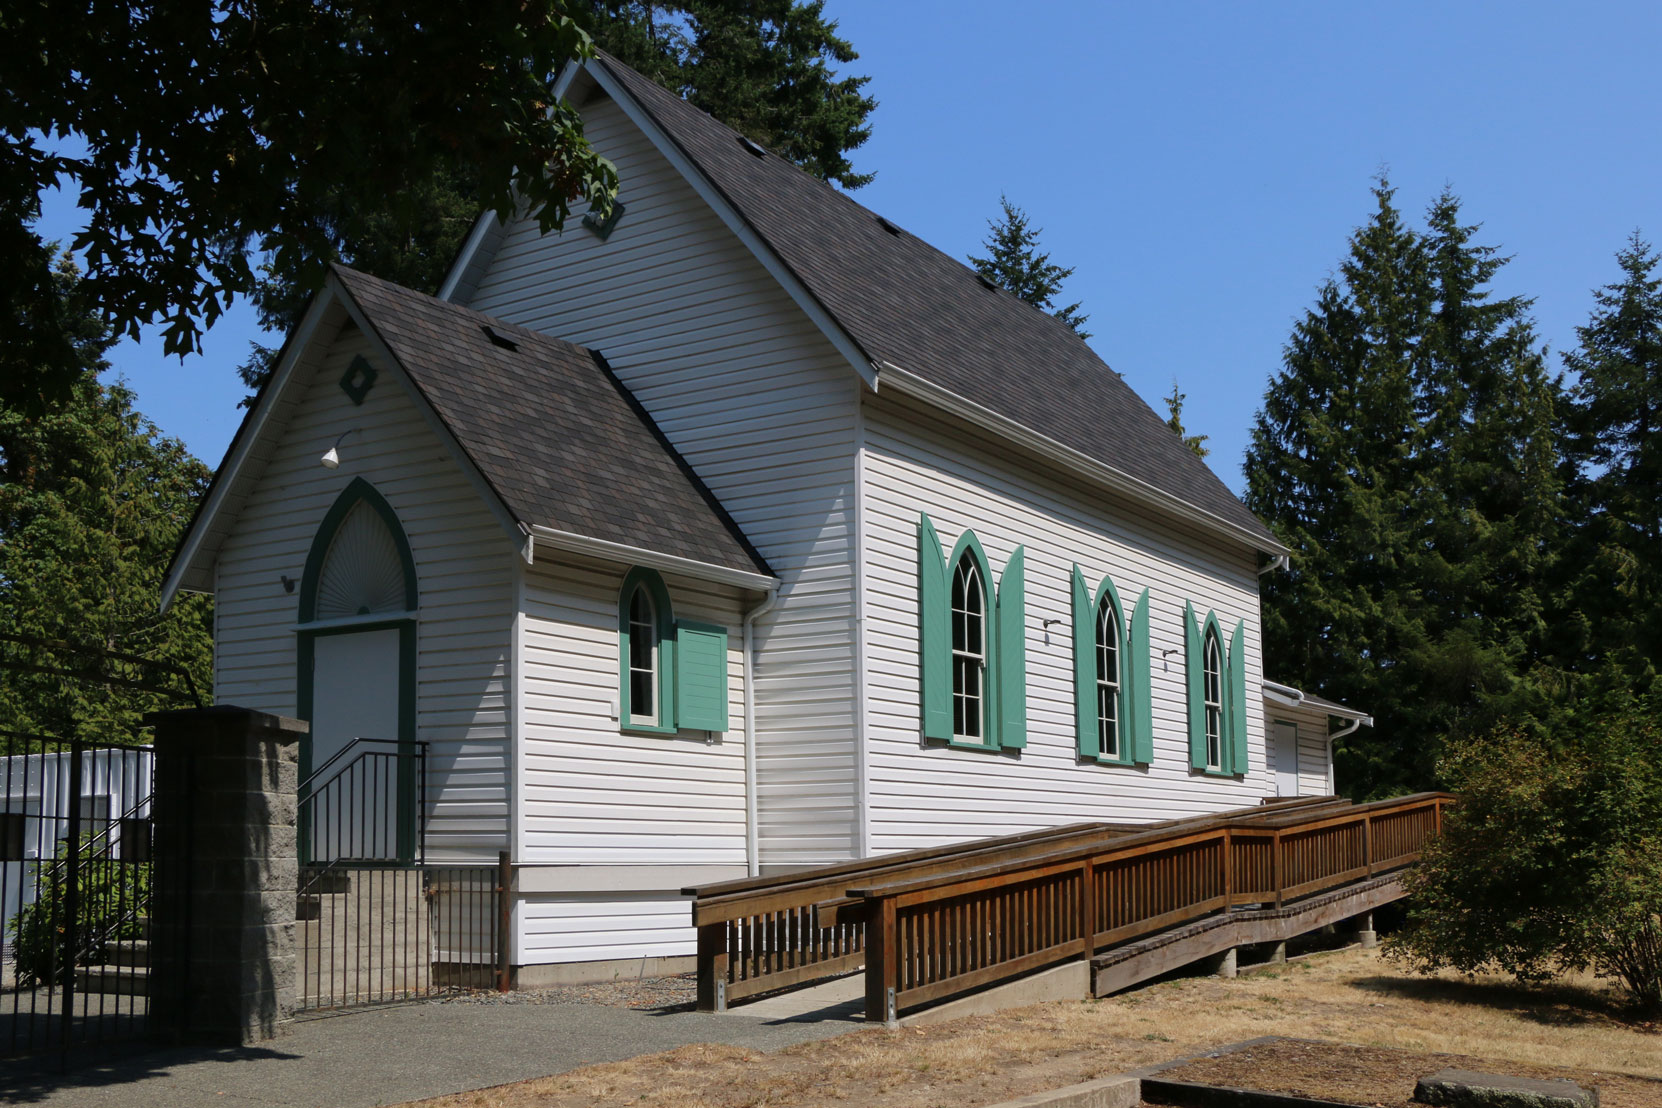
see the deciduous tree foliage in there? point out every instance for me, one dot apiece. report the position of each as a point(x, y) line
point(1406, 453)
point(1552, 859)
point(194, 132)
point(1015, 262)
point(92, 504)
point(768, 68)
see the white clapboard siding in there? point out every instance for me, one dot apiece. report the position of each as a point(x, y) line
point(592, 793)
point(762, 408)
point(1313, 727)
point(464, 572)
point(595, 927)
point(926, 795)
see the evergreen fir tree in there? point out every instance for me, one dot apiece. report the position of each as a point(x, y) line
point(1015, 262)
point(1329, 470)
point(1614, 430)
point(1174, 420)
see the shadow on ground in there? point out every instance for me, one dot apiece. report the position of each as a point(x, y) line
point(29, 1080)
point(1552, 1005)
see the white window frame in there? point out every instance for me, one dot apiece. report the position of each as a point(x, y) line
point(1212, 693)
point(1109, 729)
point(636, 716)
point(967, 660)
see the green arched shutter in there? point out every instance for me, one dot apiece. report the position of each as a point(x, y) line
point(1135, 669)
point(1195, 680)
point(1011, 660)
point(934, 635)
point(1084, 668)
point(1237, 726)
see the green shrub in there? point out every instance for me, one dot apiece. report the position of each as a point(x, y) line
point(1552, 860)
point(112, 898)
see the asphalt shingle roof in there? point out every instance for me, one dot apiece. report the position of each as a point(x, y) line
point(904, 302)
point(561, 441)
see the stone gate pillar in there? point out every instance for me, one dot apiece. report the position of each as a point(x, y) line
point(225, 873)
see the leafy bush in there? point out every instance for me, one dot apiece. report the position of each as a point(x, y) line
point(112, 895)
point(1552, 860)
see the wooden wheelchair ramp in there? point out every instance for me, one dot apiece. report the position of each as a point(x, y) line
point(1134, 900)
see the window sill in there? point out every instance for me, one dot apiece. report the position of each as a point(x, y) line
point(963, 744)
point(1127, 763)
point(646, 729)
point(1223, 774)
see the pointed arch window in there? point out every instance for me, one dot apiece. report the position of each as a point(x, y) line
point(969, 650)
point(1111, 673)
point(1217, 695)
point(672, 674)
point(360, 562)
point(972, 644)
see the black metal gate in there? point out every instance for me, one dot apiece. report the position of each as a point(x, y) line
point(76, 856)
point(377, 921)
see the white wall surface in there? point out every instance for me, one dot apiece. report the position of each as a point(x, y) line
point(928, 794)
point(1313, 726)
point(463, 561)
point(762, 408)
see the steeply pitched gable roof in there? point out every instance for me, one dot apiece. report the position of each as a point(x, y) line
point(556, 436)
point(907, 304)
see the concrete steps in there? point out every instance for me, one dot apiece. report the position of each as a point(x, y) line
point(125, 970)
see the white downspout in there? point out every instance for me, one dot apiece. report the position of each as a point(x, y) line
point(1278, 562)
point(1339, 734)
point(752, 857)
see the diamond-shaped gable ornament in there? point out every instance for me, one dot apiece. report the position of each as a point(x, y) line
point(358, 379)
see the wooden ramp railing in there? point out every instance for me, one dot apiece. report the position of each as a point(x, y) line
point(769, 933)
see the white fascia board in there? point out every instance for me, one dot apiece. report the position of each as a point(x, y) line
point(488, 220)
point(1284, 695)
point(230, 468)
point(573, 543)
point(829, 327)
point(515, 529)
point(1070, 459)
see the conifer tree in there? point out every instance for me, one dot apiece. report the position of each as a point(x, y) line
point(1329, 470)
point(1407, 453)
point(1614, 431)
point(1174, 420)
point(1015, 262)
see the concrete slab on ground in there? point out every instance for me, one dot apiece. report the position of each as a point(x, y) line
point(841, 1000)
point(390, 1055)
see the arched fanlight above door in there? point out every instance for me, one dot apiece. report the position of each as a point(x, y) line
point(360, 562)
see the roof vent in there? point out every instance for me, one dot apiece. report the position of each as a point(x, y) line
point(888, 226)
point(754, 147)
point(497, 339)
point(986, 282)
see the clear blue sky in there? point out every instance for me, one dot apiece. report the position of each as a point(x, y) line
point(1202, 164)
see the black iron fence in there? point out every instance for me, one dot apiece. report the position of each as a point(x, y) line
point(376, 921)
point(75, 892)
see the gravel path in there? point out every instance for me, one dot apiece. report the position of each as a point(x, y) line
point(666, 994)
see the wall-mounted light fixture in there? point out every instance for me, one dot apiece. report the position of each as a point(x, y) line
point(331, 456)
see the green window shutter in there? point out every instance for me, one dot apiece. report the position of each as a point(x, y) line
point(1135, 668)
point(700, 677)
point(1237, 724)
point(934, 635)
point(1084, 668)
point(1012, 652)
point(1195, 679)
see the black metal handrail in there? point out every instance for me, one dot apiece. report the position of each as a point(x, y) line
point(396, 797)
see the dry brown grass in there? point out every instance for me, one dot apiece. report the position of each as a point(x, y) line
point(1350, 996)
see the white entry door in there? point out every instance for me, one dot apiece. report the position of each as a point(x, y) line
point(355, 694)
point(1284, 737)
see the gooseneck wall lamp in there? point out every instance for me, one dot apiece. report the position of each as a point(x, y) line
point(331, 456)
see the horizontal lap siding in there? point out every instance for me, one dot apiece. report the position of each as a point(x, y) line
point(762, 408)
point(463, 569)
point(1313, 727)
point(596, 927)
point(926, 795)
point(594, 794)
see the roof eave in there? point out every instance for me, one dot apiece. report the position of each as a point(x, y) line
point(573, 543)
point(1074, 461)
